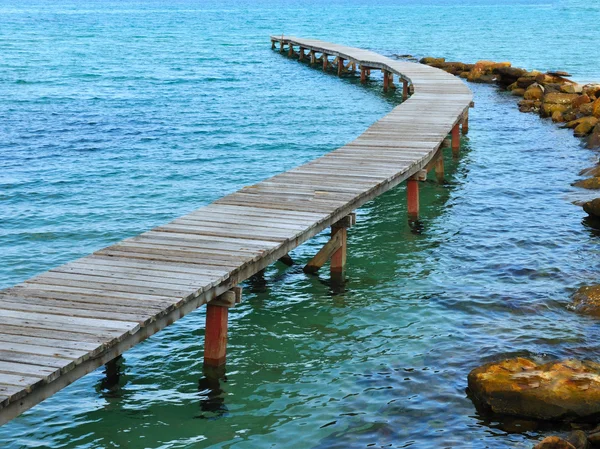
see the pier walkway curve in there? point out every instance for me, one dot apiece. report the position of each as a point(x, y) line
point(64, 323)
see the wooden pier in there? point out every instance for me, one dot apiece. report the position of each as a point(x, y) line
point(63, 324)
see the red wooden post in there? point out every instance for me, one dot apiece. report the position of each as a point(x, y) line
point(301, 55)
point(363, 75)
point(215, 341)
point(338, 258)
point(291, 50)
point(386, 81)
point(325, 62)
point(281, 46)
point(412, 197)
point(340, 66)
point(456, 140)
point(404, 90)
point(465, 123)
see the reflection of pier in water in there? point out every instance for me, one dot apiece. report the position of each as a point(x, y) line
point(64, 323)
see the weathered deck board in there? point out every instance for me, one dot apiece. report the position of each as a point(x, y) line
point(64, 323)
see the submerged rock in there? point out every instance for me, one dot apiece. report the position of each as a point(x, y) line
point(554, 443)
point(567, 390)
point(591, 171)
point(529, 105)
point(587, 299)
point(578, 439)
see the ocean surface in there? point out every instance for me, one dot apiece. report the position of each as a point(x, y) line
point(118, 116)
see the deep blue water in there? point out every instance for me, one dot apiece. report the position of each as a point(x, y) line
point(118, 116)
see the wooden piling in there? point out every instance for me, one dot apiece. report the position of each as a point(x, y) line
point(439, 169)
point(217, 317)
point(215, 341)
point(325, 62)
point(313, 58)
point(404, 90)
point(386, 80)
point(281, 46)
point(340, 66)
point(290, 50)
point(301, 54)
point(412, 198)
point(338, 258)
point(456, 140)
point(363, 75)
point(465, 123)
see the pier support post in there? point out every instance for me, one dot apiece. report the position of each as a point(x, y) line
point(386, 81)
point(290, 50)
point(334, 250)
point(301, 54)
point(404, 90)
point(456, 140)
point(281, 46)
point(313, 58)
point(363, 75)
point(217, 317)
point(325, 62)
point(340, 66)
point(439, 169)
point(412, 194)
point(465, 123)
point(272, 44)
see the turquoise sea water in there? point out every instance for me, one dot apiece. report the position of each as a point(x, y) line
point(118, 116)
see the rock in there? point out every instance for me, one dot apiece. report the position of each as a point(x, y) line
point(548, 109)
point(518, 92)
point(591, 171)
point(592, 90)
point(594, 438)
point(464, 75)
point(567, 390)
point(554, 443)
point(594, 139)
point(557, 117)
point(585, 127)
point(589, 183)
point(559, 98)
point(580, 100)
point(529, 105)
point(525, 81)
point(546, 78)
point(534, 92)
point(569, 115)
point(586, 109)
point(578, 439)
point(575, 123)
point(587, 299)
point(509, 75)
point(571, 88)
point(483, 70)
point(596, 108)
point(558, 73)
point(430, 60)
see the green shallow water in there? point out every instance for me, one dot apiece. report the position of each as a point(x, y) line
point(118, 117)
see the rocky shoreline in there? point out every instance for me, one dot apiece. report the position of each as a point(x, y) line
point(562, 391)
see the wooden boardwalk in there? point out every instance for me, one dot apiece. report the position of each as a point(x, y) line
point(62, 324)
